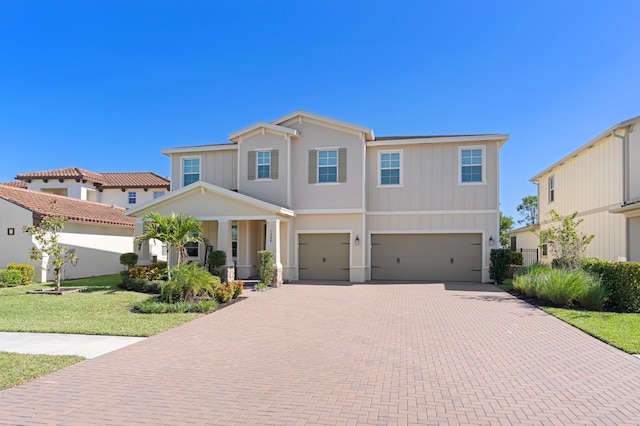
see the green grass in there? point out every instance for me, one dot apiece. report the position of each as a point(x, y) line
point(18, 368)
point(617, 329)
point(103, 309)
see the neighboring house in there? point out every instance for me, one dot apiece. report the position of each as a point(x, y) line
point(600, 181)
point(123, 189)
point(99, 233)
point(526, 242)
point(333, 202)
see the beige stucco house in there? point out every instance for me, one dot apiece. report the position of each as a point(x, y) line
point(600, 181)
point(99, 233)
point(334, 202)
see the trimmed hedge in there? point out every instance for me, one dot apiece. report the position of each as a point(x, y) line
point(621, 281)
point(516, 258)
point(10, 278)
point(27, 271)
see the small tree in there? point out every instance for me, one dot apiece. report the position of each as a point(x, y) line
point(529, 210)
point(506, 224)
point(565, 241)
point(129, 260)
point(266, 271)
point(46, 246)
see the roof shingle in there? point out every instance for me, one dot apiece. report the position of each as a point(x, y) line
point(103, 180)
point(78, 211)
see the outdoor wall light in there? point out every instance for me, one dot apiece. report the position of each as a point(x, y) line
point(357, 240)
point(11, 231)
point(491, 241)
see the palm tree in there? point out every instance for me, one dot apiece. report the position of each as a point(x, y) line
point(176, 231)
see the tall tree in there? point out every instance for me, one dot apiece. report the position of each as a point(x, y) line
point(46, 245)
point(529, 210)
point(506, 224)
point(176, 231)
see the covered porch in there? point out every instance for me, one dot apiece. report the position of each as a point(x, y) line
point(234, 223)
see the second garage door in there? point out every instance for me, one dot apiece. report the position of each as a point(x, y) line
point(432, 257)
point(324, 257)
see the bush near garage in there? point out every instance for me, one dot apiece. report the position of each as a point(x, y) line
point(621, 281)
point(516, 258)
point(500, 259)
point(27, 271)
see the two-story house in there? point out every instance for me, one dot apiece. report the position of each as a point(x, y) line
point(123, 189)
point(334, 202)
point(601, 181)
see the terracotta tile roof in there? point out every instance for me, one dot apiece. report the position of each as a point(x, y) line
point(135, 180)
point(102, 180)
point(68, 173)
point(75, 210)
point(15, 184)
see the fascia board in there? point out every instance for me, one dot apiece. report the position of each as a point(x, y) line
point(326, 121)
point(502, 138)
point(262, 125)
point(201, 148)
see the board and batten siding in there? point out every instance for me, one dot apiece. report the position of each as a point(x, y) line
point(591, 183)
point(218, 167)
point(430, 174)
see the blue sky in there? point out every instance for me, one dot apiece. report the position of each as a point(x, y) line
point(105, 85)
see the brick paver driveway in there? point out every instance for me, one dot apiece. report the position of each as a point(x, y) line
point(361, 354)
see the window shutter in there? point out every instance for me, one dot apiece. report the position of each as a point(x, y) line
point(342, 165)
point(274, 164)
point(251, 165)
point(313, 166)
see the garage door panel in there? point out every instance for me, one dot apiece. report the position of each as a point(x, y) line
point(446, 257)
point(324, 257)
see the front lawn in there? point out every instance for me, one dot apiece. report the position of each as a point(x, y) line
point(103, 309)
point(19, 368)
point(617, 329)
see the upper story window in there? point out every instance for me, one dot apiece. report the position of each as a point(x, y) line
point(552, 188)
point(190, 170)
point(390, 168)
point(263, 162)
point(328, 165)
point(157, 194)
point(472, 165)
point(132, 197)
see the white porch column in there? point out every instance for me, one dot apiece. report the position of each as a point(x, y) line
point(273, 245)
point(144, 257)
point(224, 244)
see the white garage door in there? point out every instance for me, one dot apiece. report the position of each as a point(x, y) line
point(324, 257)
point(432, 257)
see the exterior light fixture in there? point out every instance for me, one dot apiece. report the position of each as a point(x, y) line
point(491, 240)
point(11, 231)
point(357, 241)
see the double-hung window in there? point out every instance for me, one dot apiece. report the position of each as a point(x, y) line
point(552, 189)
point(132, 197)
point(193, 248)
point(472, 167)
point(390, 165)
point(263, 163)
point(327, 166)
point(190, 170)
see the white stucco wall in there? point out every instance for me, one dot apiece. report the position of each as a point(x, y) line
point(15, 248)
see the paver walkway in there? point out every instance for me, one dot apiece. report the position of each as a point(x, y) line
point(363, 354)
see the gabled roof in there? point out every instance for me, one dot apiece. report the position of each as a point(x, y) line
point(307, 116)
point(78, 211)
point(265, 127)
point(590, 144)
point(16, 184)
point(101, 180)
point(202, 188)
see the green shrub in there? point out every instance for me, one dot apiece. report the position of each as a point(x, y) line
point(27, 271)
point(140, 284)
point(621, 281)
point(516, 258)
point(129, 259)
point(500, 259)
point(266, 271)
point(238, 288)
point(527, 284)
point(561, 286)
point(593, 296)
point(10, 278)
point(189, 282)
point(155, 271)
point(155, 306)
point(561, 263)
point(216, 260)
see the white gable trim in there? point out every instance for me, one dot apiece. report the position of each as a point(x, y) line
point(261, 127)
point(301, 116)
point(201, 148)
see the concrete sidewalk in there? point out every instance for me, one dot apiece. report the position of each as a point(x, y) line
point(63, 344)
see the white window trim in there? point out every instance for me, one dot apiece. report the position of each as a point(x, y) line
point(484, 164)
point(551, 190)
point(190, 157)
point(390, 151)
point(337, 150)
point(135, 197)
point(263, 150)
